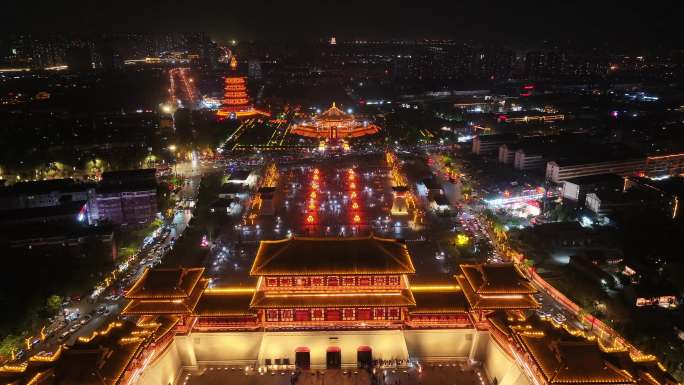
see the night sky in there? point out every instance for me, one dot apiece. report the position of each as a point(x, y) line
point(519, 23)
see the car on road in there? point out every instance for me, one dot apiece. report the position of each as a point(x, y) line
point(85, 319)
point(559, 318)
point(20, 354)
point(75, 327)
point(62, 337)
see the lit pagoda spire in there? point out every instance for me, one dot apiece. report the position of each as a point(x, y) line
point(235, 102)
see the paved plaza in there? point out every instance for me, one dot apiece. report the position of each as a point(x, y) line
point(428, 374)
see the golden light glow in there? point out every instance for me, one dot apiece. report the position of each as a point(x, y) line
point(229, 290)
point(313, 195)
point(353, 194)
point(49, 357)
point(13, 368)
point(503, 296)
point(355, 294)
point(355, 206)
point(310, 219)
point(462, 239)
point(104, 332)
point(429, 288)
point(357, 218)
point(129, 340)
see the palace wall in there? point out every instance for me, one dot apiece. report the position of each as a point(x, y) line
point(223, 348)
point(165, 369)
point(386, 344)
point(500, 368)
point(439, 344)
point(248, 348)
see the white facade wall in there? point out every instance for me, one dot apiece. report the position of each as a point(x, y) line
point(570, 191)
point(439, 344)
point(524, 161)
point(500, 368)
point(165, 369)
point(198, 350)
point(593, 203)
point(557, 173)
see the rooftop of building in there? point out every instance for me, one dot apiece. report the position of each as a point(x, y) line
point(497, 137)
point(311, 256)
point(439, 299)
point(34, 230)
point(239, 175)
point(496, 286)
point(225, 301)
point(501, 278)
point(143, 173)
point(128, 180)
point(334, 113)
point(97, 359)
point(45, 186)
point(671, 185)
point(166, 283)
point(597, 153)
point(232, 188)
point(603, 179)
point(37, 214)
point(566, 355)
point(166, 306)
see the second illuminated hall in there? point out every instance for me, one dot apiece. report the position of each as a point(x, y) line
point(334, 123)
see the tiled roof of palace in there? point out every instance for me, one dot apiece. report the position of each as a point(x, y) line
point(503, 278)
point(160, 305)
point(166, 283)
point(309, 256)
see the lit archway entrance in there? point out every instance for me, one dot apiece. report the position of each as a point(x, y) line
point(364, 356)
point(333, 358)
point(302, 358)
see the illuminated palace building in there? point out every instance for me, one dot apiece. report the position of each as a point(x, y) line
point(336, 303)
point(235, 103)
point(334, 123)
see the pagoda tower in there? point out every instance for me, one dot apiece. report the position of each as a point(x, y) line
point(235, 103)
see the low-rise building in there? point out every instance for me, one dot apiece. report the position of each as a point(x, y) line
point(507, 153)
point(529, 158)
point(584, 164)
point(127, 197)
point(46, 193)
point(576, 189)
point(669, 192)
point(607, 202)
point(70, 211)
point(489, 144)
point(669, 164)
